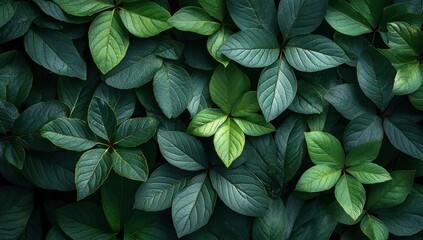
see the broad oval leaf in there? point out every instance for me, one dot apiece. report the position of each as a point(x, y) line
point(369, 173)
point(130, 163)
point(19, 24)
point(14, 153)
point(108, 40)
point(363, 153)
point(102, 119)
point(7, 10)
point(193, 206)
point(182, 150)
point(404, 38)
point(246, 105)
point(215, 8)
point(194, 19)
point(276, 89)
point(135, 131)
point(254, 125)
point(312, 53)
point(318, 178)
point(271, 224)
point(229, 142)
point(325, 149)
point(215, 41)
point(351, 195)
point(408, 79)
point(253, 48)
point(374, 228)
point(56, 52)
point(240, 190)
point(362, 129)
point(84, 7)
point(206, 122)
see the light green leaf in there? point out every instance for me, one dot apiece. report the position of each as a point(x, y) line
point(130, 163)
point(271, 225)
point(193, 206)
point(254, 124)
point(206, 122)
point(416, 98)
point(276, 89)
point(56, 52)
point(135, 131)
point(318, 178)
point(408, 79)
point(194, 19)
point(108, 41)
point(101, 119)
point(312, 53)
point(172, 89)
point(91, 171)
point(14, 153)
point(145, 20)
point(215, 8)
point(227, 85)
point(229, 142)
point(325, 149)
point(369, 173)
point(253, 48)
point(83, 7)
point(246, 105)
point(374, 228)
point(404, 38)
point(351, 195)
point(69, 133)
point(240, 190)
point(215, 41)
point(363, 153)
point(7, 10)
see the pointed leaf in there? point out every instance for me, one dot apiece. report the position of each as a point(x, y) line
point(130, 163)
point(229, 141)
point(215, 8)
point(206, 122)
point(101, 119)
point(324, 148)
point(215, 41)
point(135, 131)
point(374, 228)
point(363, 129)
point(351, 195)
point(408, 79)
point(83, 7)
point(254, 125)
point(271, 224)
point(369, 173)
point(363, 153)
point(194, 19)
point(404, 38)
point(318, 178)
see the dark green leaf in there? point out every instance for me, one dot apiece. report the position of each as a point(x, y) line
point(229, 141)
point(352, 46)
point(309, 98)
point(83, 7)
point(374, 228)
point(194, 19)
point(7, 10)
point(149, 226)
point(20, 22)
point(215, 8)
point(405, 39)
point(351, 195)
point(338, 213)
point(207, 122)
point(369, 173)
point(14, 153)
point(200, 94)
point(135, 131)
point(101, 119)
point(53, 10)
point(246, 105)
point(363, 153)
point(8, 115)
point(416, 98)
point(325, 149)
point(254, 125)
point(363, 129)
point(318, 178)
point(271, 225)
point(170, 49)
point(130, 163)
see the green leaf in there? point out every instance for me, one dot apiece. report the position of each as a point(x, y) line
point(300, 17)
point(276, 89)
point(130, 163)
point(146, 225)
point(246, 105)
point(253, 48)
point(369, 173)
point(325, 149)
point(363, 129)
point(19, 24)
point(170, 49)
point(157, 193)
point(53, 10)
point(351, 195)
point(318, 178)
point(363, 153)
point(83, 7)
point(84, 220)
point(405, 135)
point(135, 131)
point(391, 193)
point(200, 94)
point(101, 119)
point(108, 41)
point(194, 19)
point(240, 190)
point(193, 206)
point(215, 8)
point(215, 41)
point(253, 14)
point(182, 150)
point(271, 225)
point(8, 115)
point(374, 228)
point(227, 85)
point(337, 213)
point(312, 53)
point(254, 125)
point(206, 122)
point(91, 171)
point(345, 19)
point(375, 76)
point(352, 46)
point(145, 20)
point(172, 89)
point(14, 153)
point(58, 53)
point(404, 38)
point(137, 67)
point(229, 141)
point(7, 10)
point(416, 98)
point(69, 133)
point(349, 101)
point(408, 79)
point(14, 202)
point(309, 98)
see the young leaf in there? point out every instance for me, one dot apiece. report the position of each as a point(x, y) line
point(404, 38)
point(254, 125)
point(376, 77)
point(227, 85)
point(240, 190)
point(215, 41)
point(172, 89)
point(135, 131)
point(182, 150)
point(351, 195)
point(300, 17)
point(91, 171)
point(193, 206)
point(271, 224)
point(363, 153)
point(108, 41)
point(312, 53)
point(145, 20)
point(7, 10)
point(318, 178)
point(194, 19)
point(101, 119)
point(408, 79)
point(363, 129)
point(374, 228)
point(215, 8)
point(246, 105)
point(369, 173)
point(324, 148)
point(229, 141)
point(207, 122)
point(157, 193)
point(130, 163)
point(69, 133)
point(253, 48)
point(276, 89)
point(83, 7)
point(55, 52)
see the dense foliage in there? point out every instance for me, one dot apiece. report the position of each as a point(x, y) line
point(211, 119)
